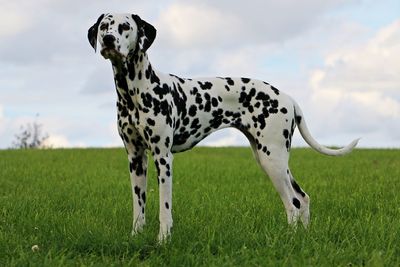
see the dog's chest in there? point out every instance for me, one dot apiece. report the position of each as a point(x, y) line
point(127, 123)
point(149, 117)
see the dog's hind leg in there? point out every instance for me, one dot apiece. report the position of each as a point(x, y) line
point(304, 200)
point(275, 164)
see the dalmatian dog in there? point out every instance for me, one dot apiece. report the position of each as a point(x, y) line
point(164, 114)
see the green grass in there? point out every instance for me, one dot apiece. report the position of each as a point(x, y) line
point(76, 206)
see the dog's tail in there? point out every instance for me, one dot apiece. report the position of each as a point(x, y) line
point(305, 133)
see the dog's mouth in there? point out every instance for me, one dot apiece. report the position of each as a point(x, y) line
point(110, 53)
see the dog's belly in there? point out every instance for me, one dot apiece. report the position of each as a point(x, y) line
point(197, 129)
point(180, 144)
point(183, 142)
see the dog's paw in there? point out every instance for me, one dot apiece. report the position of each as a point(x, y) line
point(164, 238)
point(165, 234)
point(135, 232)
point(138, 226)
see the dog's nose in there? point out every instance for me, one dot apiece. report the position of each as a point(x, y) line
point(108, 41)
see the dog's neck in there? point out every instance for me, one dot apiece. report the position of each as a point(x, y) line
point(129, 73)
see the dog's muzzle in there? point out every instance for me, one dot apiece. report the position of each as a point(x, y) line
point(109, 41)
point(108, 51)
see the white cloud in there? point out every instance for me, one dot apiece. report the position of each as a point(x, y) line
point(226, 137)
point(388, 106)
point(56, 141)
point(367, 67)
point(228, 24)
point(16, 20)
point(2, 121)
point(195, 25)
point(48, 67)
point(1, 113)
point(17, 23)
point(114, 138)
point(100, 80)
point(358, 88)
point(370, 68)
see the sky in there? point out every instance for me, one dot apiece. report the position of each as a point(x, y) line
point(340, 60)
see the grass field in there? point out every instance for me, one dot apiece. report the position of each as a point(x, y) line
point(75, 205)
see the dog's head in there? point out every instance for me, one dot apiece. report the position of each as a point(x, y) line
point(120, 35)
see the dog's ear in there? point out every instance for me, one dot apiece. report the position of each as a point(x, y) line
point(146, 33)
point(92, 32)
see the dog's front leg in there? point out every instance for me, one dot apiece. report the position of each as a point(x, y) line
point(164, 169)
point(138, 171)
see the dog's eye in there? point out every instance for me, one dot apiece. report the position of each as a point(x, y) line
point(126, 27)
point(123, 27)
point(104, 27)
